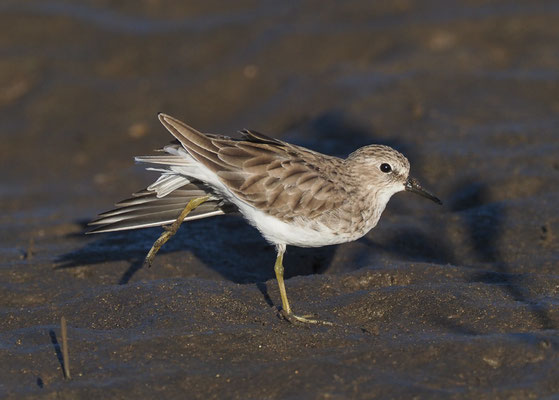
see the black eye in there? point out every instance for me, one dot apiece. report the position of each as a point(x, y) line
point(386, 168)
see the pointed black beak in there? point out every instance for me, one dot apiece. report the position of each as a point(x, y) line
point(413, 185)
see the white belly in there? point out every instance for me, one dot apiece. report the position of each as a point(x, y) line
point(294, 234)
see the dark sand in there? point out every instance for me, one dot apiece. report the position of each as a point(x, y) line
point(460, 301)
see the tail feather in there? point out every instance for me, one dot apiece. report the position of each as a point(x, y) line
point(137, 209)
point(162, 202)
point(146, 196)
point(167, 183)
point(144, 209)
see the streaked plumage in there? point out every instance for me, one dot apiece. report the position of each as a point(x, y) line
point(292, 195)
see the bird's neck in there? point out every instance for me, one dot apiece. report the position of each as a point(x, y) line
point(369, 208)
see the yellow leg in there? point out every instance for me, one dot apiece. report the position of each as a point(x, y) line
point(278, 268)
point(286, 309)
point(173, 228)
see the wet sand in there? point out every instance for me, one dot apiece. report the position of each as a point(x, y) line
point(460, 301)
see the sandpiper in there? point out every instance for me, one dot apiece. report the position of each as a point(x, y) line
point(292, 195)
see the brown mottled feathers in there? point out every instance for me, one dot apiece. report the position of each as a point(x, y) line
point(281, 179)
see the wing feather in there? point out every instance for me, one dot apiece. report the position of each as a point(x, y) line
point(279, 178)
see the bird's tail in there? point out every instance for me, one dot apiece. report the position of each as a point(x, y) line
point(162, 202)
point(144, 209)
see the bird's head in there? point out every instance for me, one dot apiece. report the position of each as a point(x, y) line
point(385, 171)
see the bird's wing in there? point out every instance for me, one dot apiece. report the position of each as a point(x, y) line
point(281, 179)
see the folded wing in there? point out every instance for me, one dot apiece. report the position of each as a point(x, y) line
point(281, 179)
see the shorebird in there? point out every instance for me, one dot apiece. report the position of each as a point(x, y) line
point(292, 195)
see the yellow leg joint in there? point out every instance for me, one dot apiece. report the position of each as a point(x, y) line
point(173, 228)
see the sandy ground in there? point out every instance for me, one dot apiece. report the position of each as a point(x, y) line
point(460, 301)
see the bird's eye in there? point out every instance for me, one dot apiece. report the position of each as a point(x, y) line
point(386, 168)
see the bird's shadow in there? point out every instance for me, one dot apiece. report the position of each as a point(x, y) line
point(484, 219)
point(337, 134)
point(226, 244)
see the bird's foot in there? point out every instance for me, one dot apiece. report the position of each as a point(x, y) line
point(294, 318)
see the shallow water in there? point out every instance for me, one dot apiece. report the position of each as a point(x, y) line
point(452, 302)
